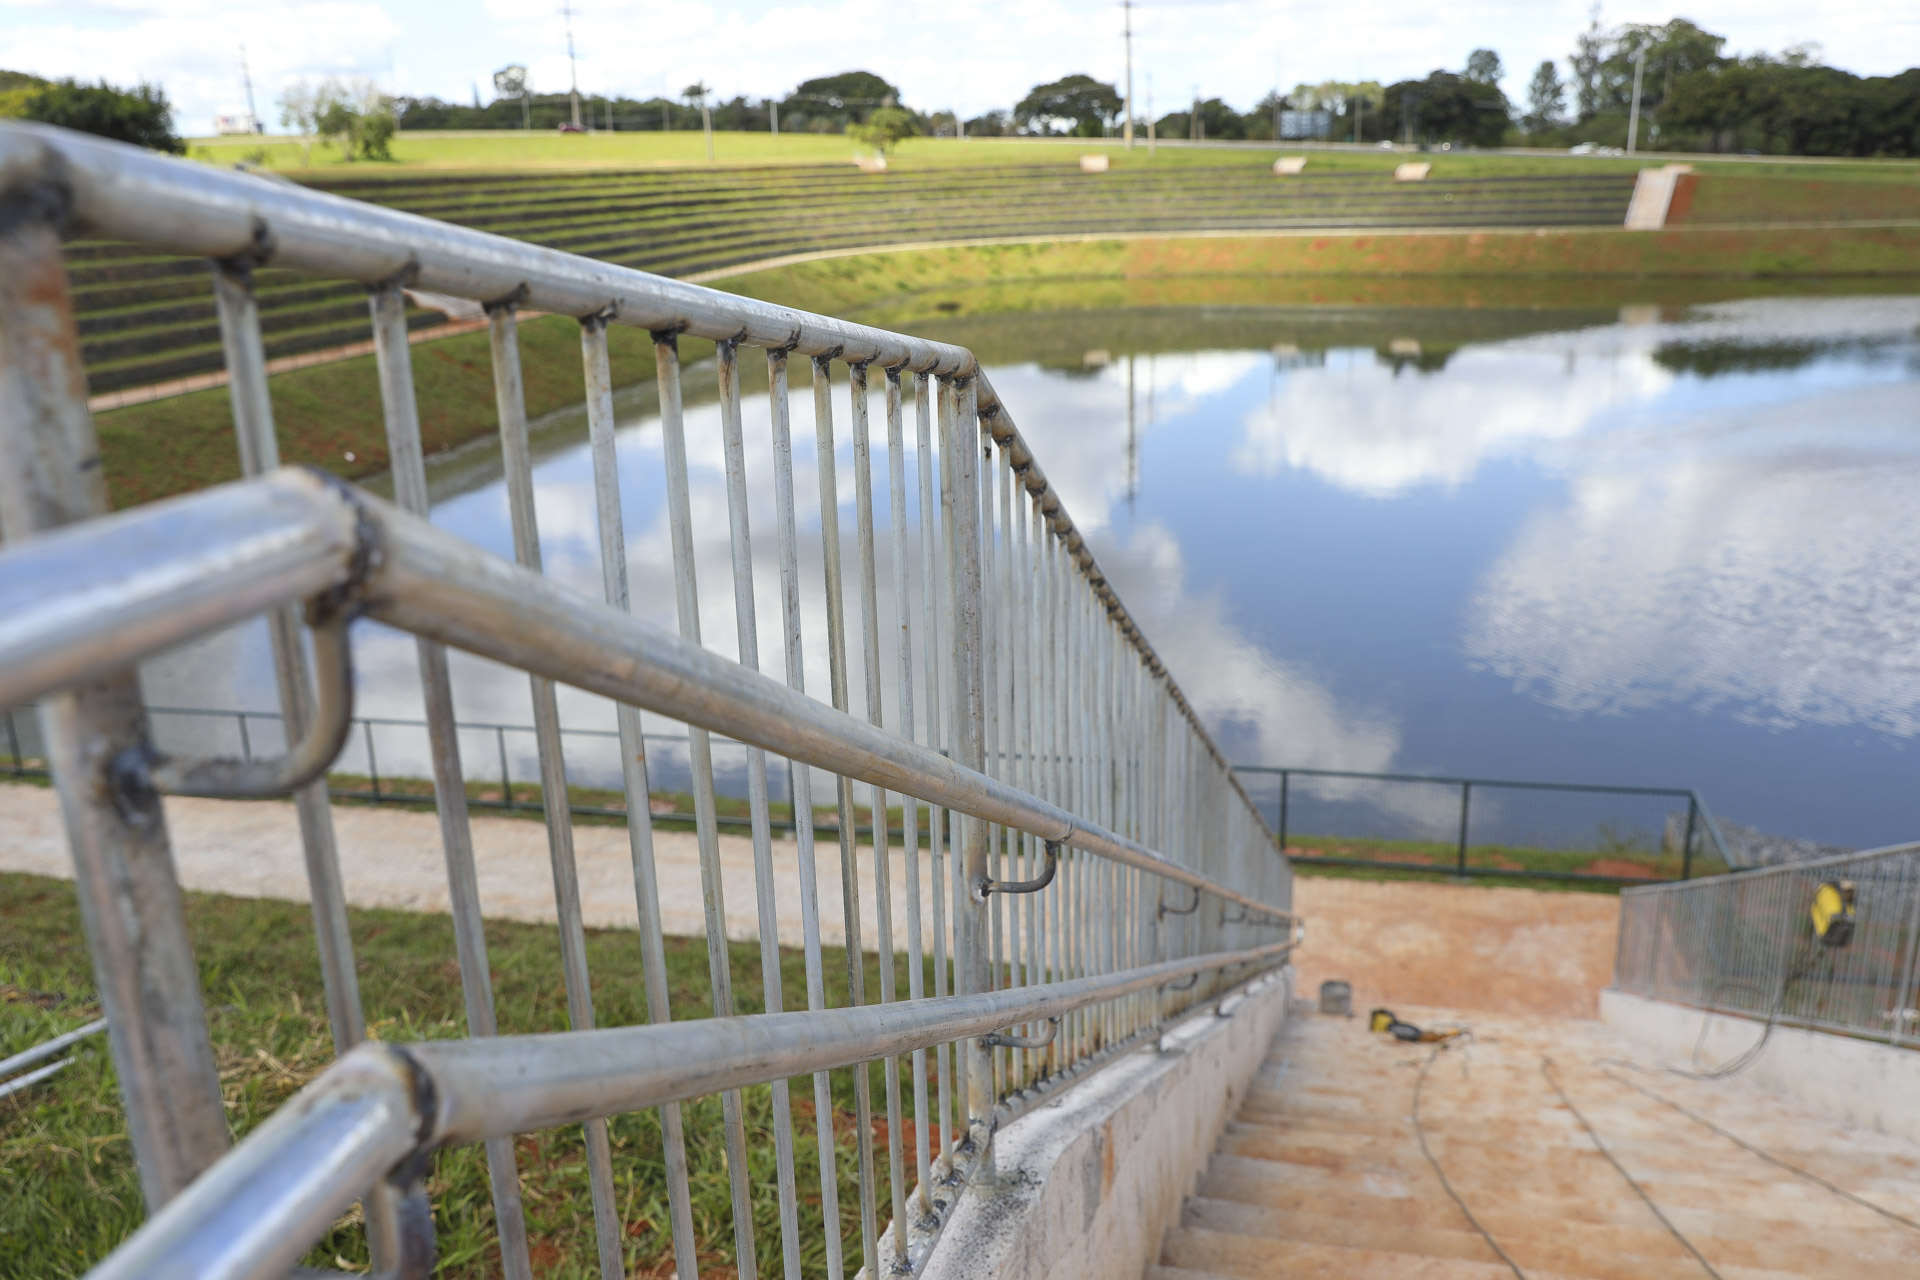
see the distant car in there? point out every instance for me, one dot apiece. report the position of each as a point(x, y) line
point(1386, 144)
point(1583, 149)
point(566, 127)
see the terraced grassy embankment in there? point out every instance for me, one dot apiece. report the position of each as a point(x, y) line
point(148, 317)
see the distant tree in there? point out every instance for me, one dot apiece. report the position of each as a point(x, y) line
point(884, 128)
point(140, 115)
point(1077, 104)
point(1483, 66)
point(1589, 52)
point(353, 115)
point(510, 82)
point(16, 88)
point(840, 100)
point(1446, 108)
point(1546, 99)
point(1218, 120)
point(993, 124)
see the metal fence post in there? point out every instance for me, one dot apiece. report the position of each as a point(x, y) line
point(506, 783)
point(1686, 848)
point(373, 764)
point(1466, 796)
point(13, 743)
point(1285, 778)
point(97, 739)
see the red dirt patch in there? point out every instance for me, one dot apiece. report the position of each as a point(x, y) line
point(1458, 946)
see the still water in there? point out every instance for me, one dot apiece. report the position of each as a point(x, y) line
point(1666, 547)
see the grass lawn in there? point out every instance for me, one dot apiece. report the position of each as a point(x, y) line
point(68, 1189)
point(503, 149)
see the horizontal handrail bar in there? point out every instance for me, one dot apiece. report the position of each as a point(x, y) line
point(1791, 868)
point(118, 191)
point(405, 572)
point(1597, 787)
point(255, 1211)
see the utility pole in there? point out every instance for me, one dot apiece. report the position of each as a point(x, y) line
point(1151, 127)
point(1127, 7)
point(246, 78)
point(1633, 108)
point(572, 64)
point(706, 123)
point(1193, 117)
point(774, 107)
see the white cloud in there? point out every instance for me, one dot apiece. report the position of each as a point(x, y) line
point(1754, 559)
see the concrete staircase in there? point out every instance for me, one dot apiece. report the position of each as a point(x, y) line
point(1321, 1174)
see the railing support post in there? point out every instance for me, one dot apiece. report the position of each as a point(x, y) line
point(97, 735)
point(1686, 848)
point(1466, 797)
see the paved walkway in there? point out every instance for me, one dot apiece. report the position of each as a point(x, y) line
point(392, 858)
point(1321, 1173)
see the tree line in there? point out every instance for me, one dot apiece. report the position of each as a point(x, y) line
point(1692, 96)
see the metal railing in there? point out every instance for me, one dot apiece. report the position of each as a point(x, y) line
point(1488, 826)
point(1744, 944)
point(1017, 707)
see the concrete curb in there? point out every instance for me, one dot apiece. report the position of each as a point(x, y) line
point(1089, 1183)
point(1876, 1086)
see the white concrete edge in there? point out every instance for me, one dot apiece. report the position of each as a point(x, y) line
point(1088, 1184)
point(1875, 1086)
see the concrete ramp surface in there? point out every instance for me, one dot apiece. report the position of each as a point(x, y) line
point(1321, 1173)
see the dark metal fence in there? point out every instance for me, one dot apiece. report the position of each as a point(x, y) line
point(1489, 827)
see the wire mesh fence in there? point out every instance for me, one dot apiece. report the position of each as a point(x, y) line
point(1488, 827)
point(1746, 944)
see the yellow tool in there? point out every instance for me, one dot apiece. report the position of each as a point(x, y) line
point(1384, 1020)
point(1833, 913)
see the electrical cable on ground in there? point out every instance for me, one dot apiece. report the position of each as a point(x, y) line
point(1741, 1061)
point(1546, 1069)
point(1421, 1134)
point(1738, 1141)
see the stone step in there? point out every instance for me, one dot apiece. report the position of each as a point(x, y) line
point(1259, 1258)
point(1604, 1251)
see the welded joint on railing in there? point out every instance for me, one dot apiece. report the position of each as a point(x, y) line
point(257, 254)
point(1000, 1040)
point(985, 885)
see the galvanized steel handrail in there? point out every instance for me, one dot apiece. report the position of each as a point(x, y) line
point(1048, 734)
point(93, 187)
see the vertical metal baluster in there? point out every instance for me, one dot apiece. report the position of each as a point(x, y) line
point(931, 593)
point(516, 461)
point(392, 357)
point(1008, 841)
point(1021, 618)
point(1045, 783)
point(129, 896)
point(633, 767)
point(849, 867)
point(748, 634)
point(801, 786)
point(989, 600)
point(970, 742)
point(870, 654)
point(950, 470)
point(909, 809)
point(239, 316)
point(666, 352)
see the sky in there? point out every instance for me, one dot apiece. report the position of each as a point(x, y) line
point(970, 54)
